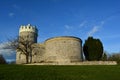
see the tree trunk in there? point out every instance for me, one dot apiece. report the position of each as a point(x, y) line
point(27, 59)
point(30, 57)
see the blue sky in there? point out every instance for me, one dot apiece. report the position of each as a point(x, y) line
point(80, 18)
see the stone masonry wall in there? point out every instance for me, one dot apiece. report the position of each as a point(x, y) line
point(63, 50)
point(38, 53)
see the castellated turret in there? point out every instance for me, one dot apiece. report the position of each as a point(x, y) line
point(29, 33)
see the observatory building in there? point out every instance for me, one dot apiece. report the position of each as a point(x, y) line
point(60, 49)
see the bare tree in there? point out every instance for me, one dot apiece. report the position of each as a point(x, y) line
point(104, 56)
point(114, 57)
point(2, 60)
point(23, 46)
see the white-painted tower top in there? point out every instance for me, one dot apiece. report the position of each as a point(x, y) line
point(28, 28)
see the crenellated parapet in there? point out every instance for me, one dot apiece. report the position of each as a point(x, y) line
point(28, 28)
point(28, 32)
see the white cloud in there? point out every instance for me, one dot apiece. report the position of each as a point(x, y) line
point(2, 45)
point(93, 30)
point(11, 14)
point(68, 30)
point(5, 51)
point(83, 23)
point(68, 27)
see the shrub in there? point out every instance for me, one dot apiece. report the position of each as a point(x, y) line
point(93, 49)
point(115, 57)
point(2, 60)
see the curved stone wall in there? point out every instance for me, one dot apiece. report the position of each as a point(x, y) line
point(63, 49)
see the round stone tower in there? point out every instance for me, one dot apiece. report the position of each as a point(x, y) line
point(63, 49)
point(30, 34)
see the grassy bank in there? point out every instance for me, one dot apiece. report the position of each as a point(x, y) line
point(22, 72)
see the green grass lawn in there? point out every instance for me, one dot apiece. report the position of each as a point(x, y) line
point(25, 72)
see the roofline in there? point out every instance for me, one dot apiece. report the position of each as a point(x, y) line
point(63, 37)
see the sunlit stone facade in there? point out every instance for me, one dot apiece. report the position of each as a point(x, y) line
point(61, 50)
